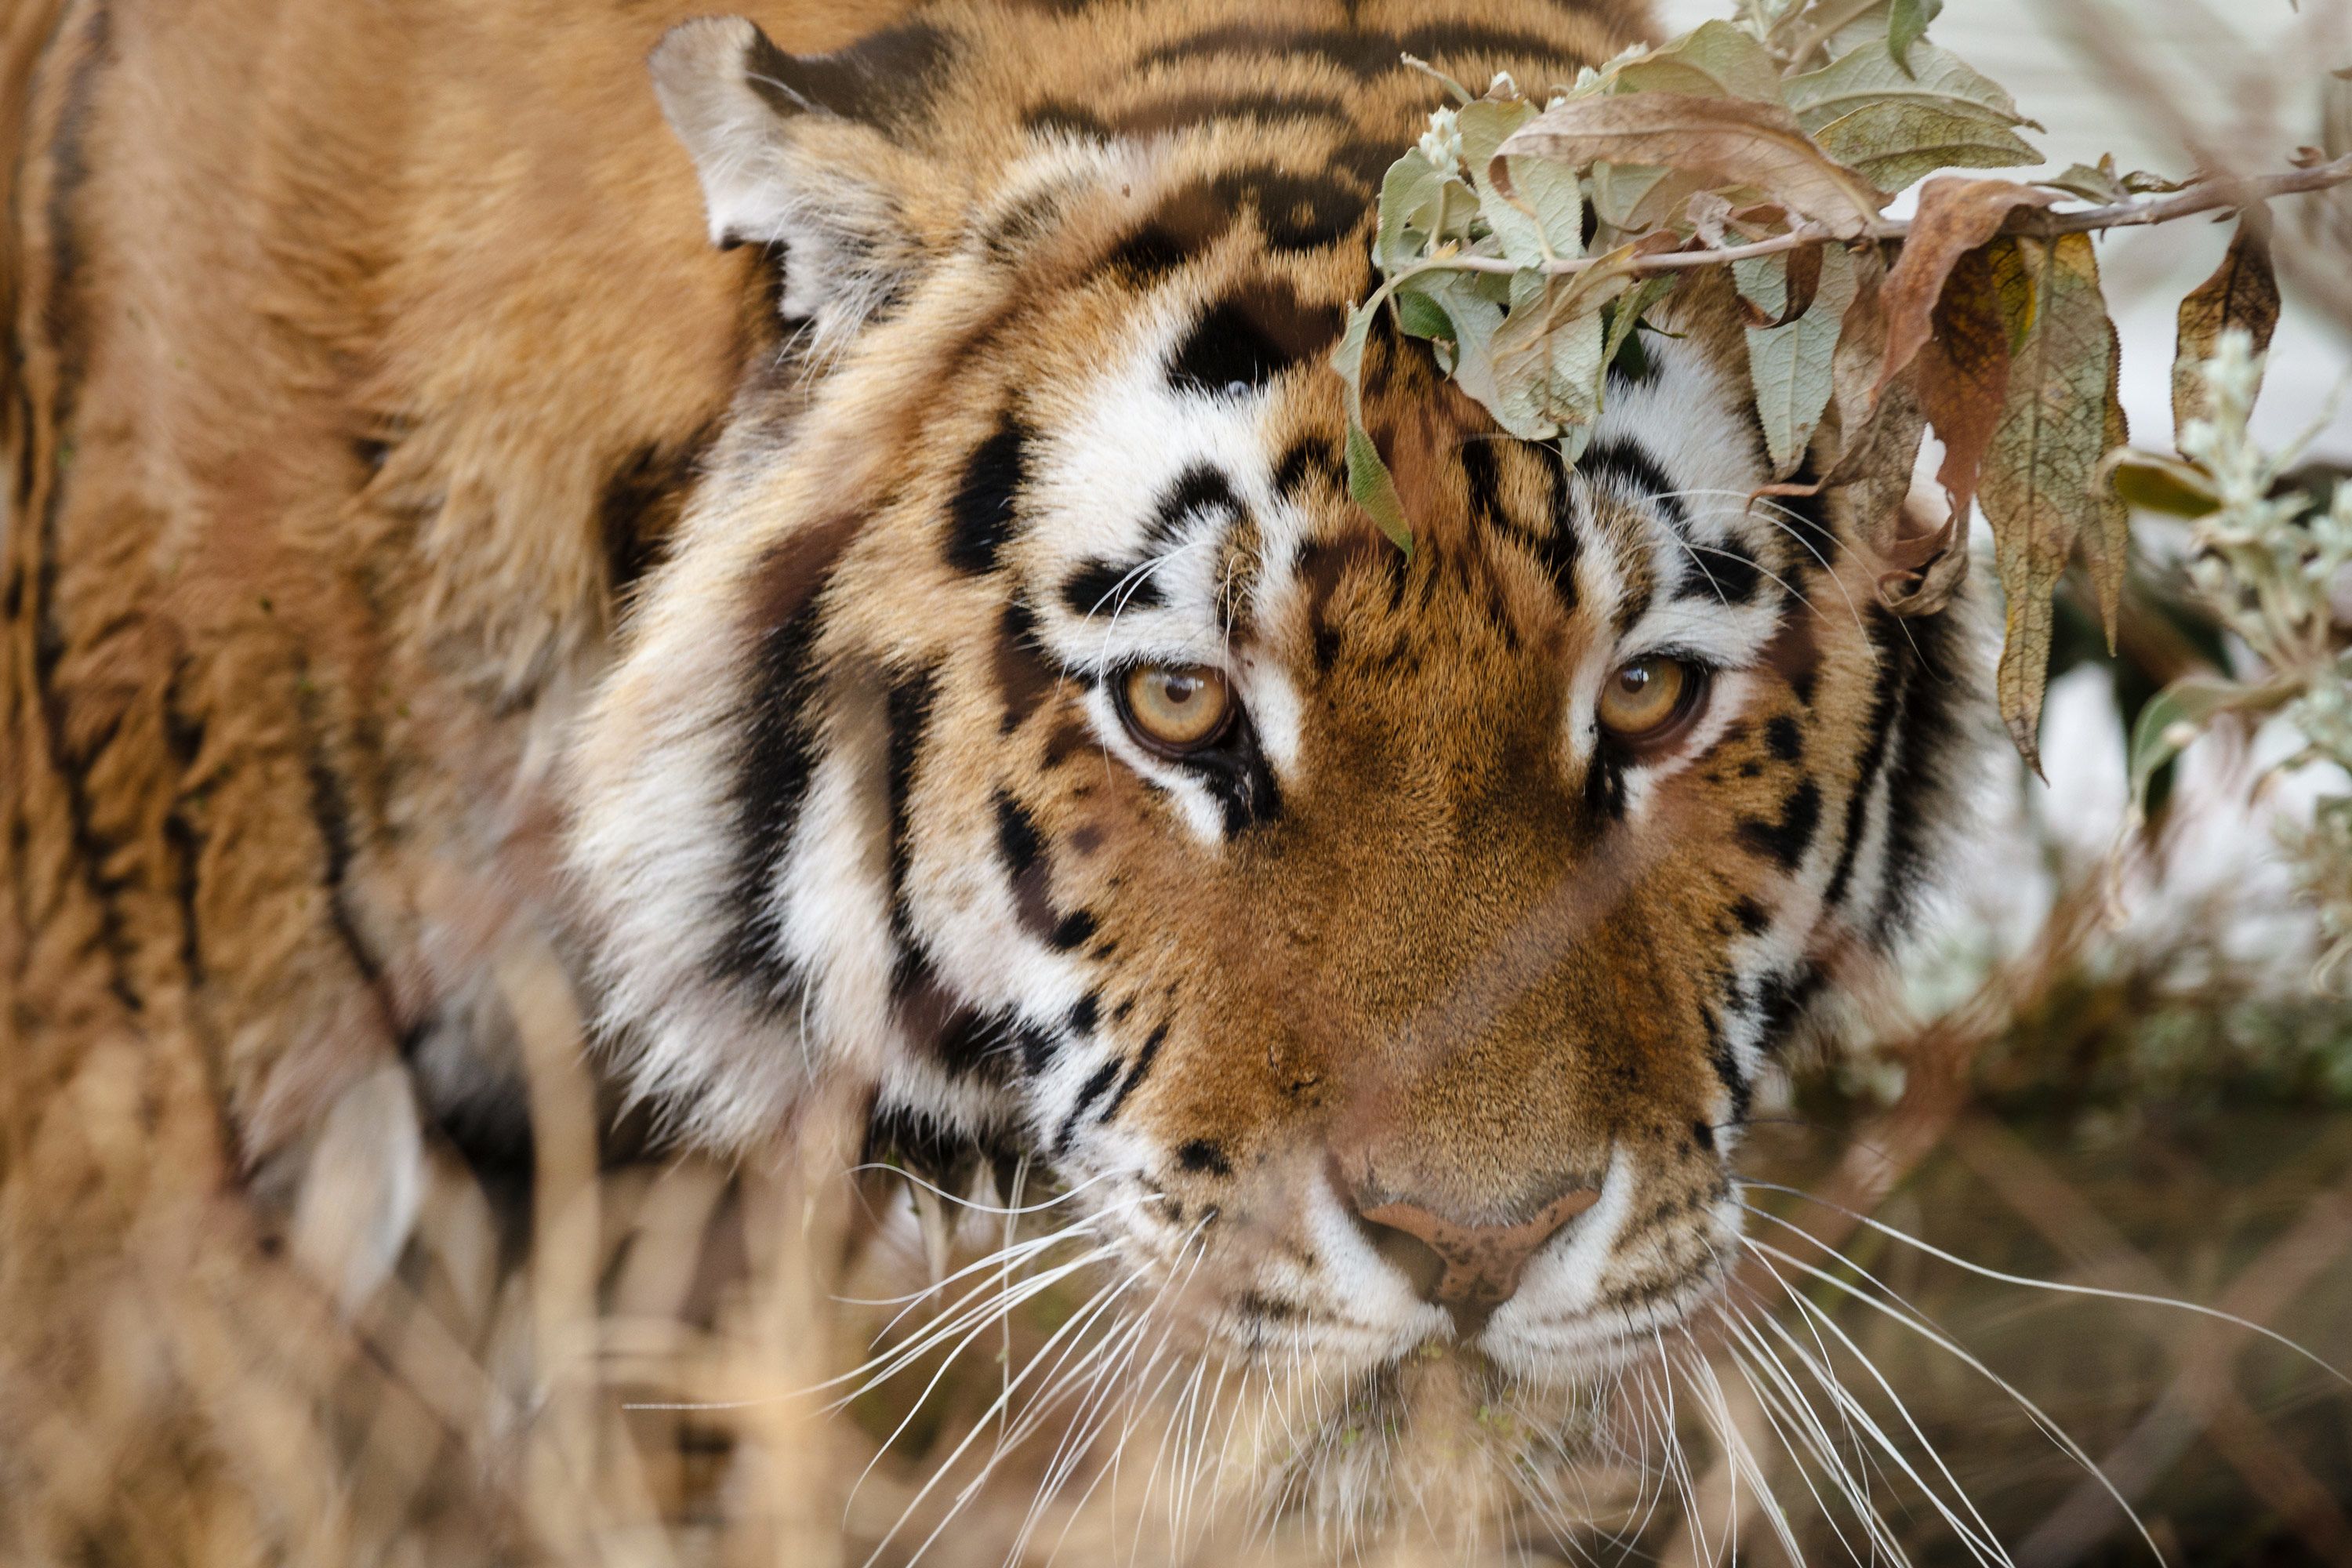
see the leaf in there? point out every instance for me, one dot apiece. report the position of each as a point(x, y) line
point(2148, 482)
point(1956, 216)
point(2093, 183)
point(1924, 570)
point(2107, 540)
point(1406, 190)
point(1419, 316)
point(2173, 719)
point(1705, 212)
point(1868, 76)
point(1715, 59)
point(1893, 142)
point(1777, 290)
point(1963, 370)
point(1623, 316)
point(1789, 365)
point(1486, 364)
point(1534, 206)
point(2041, 486)
point(1369, 484)
point(2242, 292)
point(1729, 140)
point(1543, 370)
point(1906, 24)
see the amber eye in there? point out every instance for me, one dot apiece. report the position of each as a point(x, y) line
point(1176, 706)
point(1644, 699)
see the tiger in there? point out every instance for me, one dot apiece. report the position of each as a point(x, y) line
point(847, 547)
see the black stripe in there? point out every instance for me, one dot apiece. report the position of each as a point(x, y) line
point(1557, 553)
point(1102, 587)
point(1927, 732)
point(1250, 336)
point(1723, 572)
point(1202, 487)
point(884, 78)
point(1094, 1088)
point(1038, 1048)
point(909, 707)
point(1139, 1072)
point(1727, 1066)
point(1359, 54)
point(1781, 1000)
point(773, 760)
point(1200, 1154)
point(1788, 839)
point(1635, 472)
point(984, 513)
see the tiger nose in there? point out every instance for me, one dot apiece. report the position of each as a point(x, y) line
point(1468, 1268)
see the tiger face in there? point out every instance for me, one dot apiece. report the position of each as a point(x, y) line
point(1383, 946)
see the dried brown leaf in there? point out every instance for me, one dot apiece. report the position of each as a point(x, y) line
point(2042, 486)
point(2242, 292)
point(1956, 216)
point(1963, 368)
point(1731, 140)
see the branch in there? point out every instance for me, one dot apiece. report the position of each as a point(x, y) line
point(2206, 195)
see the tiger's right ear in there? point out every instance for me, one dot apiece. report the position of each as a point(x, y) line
point(793, 151)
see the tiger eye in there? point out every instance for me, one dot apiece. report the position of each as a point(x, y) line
point(1178, 707)
point(1644, 697)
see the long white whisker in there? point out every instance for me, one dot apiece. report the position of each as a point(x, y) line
point(2100, 1292)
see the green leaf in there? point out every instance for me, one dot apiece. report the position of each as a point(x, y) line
point(1906, 24)
point(2175, 716)
point(1419, 316)
point(2150, 483)
point(1938, 80)
point(2091, 182)
point(1790, 364)
point(1715, 59)
point(1539, 215)
point(1893, 142)
point(1369, 484)
point(1406, 191)
point(1621, 319)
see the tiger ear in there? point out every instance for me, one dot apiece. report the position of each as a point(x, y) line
point(793, 151)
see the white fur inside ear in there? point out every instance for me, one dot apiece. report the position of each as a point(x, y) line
point(763, 183)
point(737, 141)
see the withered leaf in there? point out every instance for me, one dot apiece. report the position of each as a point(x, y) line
point(1963, 369)
point(1893, 142)
point(1956, 216)
point(2242, 292)
point(1776, 290)
point(2042, 486)
point(1730, 140)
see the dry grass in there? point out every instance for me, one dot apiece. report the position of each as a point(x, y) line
point(616, 1367)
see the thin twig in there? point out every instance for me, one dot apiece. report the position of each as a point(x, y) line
point(2206, 195)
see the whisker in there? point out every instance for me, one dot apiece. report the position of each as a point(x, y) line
point(2100, 1292)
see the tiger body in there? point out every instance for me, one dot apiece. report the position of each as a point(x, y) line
point(425, 540)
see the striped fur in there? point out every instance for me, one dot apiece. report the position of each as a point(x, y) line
point(1004, 373)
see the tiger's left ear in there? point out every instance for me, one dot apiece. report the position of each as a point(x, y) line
point(794, 150)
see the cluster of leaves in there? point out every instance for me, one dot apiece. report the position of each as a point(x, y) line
point(2269, 559)
point(1527, 242)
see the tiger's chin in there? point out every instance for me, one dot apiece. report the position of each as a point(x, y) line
point(1452, 1449)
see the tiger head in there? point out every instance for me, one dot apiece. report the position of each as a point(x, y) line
point(1027, 724)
